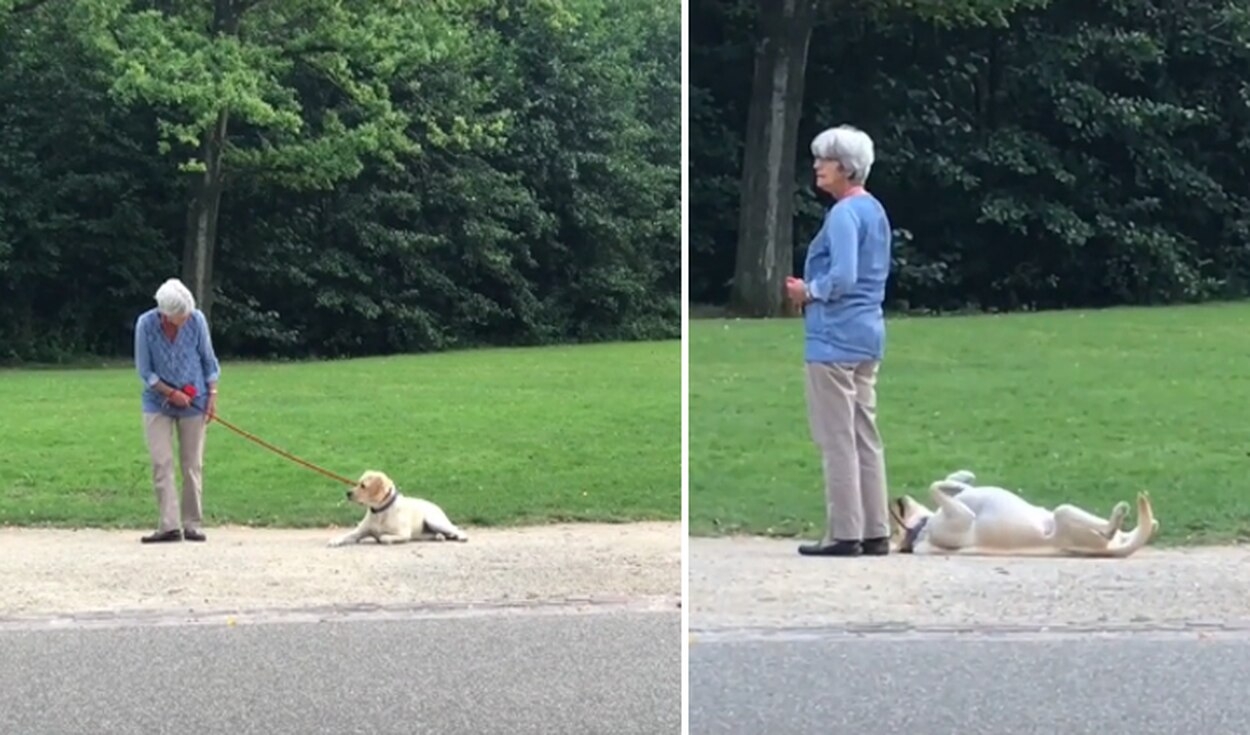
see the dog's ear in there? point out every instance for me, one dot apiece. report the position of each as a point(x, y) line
point(900, 506)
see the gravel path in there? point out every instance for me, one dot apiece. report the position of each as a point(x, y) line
point(741, 583)
point(48, 573)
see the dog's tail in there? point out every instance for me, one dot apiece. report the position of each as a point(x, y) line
point(1125, 544)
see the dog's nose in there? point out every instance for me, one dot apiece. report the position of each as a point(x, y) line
point(348, 493)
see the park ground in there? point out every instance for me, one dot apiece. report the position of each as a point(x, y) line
point(563, 463)
point(497, 437)
point(1087, 407)
point(104, 576)
point(742, 584)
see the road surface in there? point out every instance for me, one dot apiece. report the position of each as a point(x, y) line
point(551, 629)
point(549, 672)
point(1136, 683)
point(1158, 644)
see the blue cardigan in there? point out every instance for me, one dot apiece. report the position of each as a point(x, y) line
point(847, 265)
point(188, 359)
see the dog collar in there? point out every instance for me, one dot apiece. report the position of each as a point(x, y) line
point(911, 534)
point(390, 500)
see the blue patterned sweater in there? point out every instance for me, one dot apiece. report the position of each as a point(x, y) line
point(188, 359)
point(847, 266)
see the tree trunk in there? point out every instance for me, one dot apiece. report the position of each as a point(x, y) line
point(200, 242)
point(201, 236)
point(766, 210)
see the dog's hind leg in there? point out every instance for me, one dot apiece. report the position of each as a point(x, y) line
point(1070, 517)
point(1081, 532)
point(439, 525)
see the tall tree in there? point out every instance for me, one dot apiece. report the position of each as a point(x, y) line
point(239, 88)
point(766, 214)
point(765, 242)
point(529, 194)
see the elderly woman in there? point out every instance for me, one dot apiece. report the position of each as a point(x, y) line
point(175, 359)
point(841, 292)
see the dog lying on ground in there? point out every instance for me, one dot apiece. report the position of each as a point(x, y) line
point(991, 519)
point(392, 518)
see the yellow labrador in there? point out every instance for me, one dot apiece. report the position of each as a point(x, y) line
point(392, 518)
point(991, 519)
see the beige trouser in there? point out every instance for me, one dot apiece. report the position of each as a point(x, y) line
point(842, 411)
point(159, 431)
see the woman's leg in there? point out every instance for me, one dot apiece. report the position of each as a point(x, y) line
point(874, 496)
point(158, 430)
point(831, 415)
point(191, 431)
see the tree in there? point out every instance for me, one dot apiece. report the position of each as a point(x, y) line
point(530, 192)
point(230, 80)
point(765, 243)
point(766, 215)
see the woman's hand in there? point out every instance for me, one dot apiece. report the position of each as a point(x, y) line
point(178, 399)
point(211, 409)
point(796, 290)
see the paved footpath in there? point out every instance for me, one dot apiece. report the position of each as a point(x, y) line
point(1159, 643)
point(556, 629)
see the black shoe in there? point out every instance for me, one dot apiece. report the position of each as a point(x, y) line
point(192, 534)
point(878, 546)
point(161, 537)
point(837, 548)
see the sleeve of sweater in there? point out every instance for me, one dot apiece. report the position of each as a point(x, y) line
point(840, 238)
point(208, 357)
point(143, 356)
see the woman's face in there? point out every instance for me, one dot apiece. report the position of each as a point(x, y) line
point(176, 320)
point(829, 176)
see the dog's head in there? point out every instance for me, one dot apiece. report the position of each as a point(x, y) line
point(907, 516)
point(371, 489)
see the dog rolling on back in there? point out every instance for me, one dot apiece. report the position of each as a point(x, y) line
point(392, 518)
point(990, 519)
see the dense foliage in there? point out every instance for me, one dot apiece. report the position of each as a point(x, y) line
point(1083, 153)
point(392, 176)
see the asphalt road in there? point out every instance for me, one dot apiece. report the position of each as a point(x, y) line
point(829, 684)
point(609, 672)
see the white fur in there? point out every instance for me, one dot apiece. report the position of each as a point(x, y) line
point(407, 519)
point(992, 519)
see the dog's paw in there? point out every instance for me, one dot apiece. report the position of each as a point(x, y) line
point(964, 476)
point(336, 542)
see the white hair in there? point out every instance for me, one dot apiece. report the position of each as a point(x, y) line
point(173, 298)
point(849, 147)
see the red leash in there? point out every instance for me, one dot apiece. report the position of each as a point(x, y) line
point(190, 391)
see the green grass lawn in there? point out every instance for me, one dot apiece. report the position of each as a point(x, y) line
point(1084, 407)
point(585, 433)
